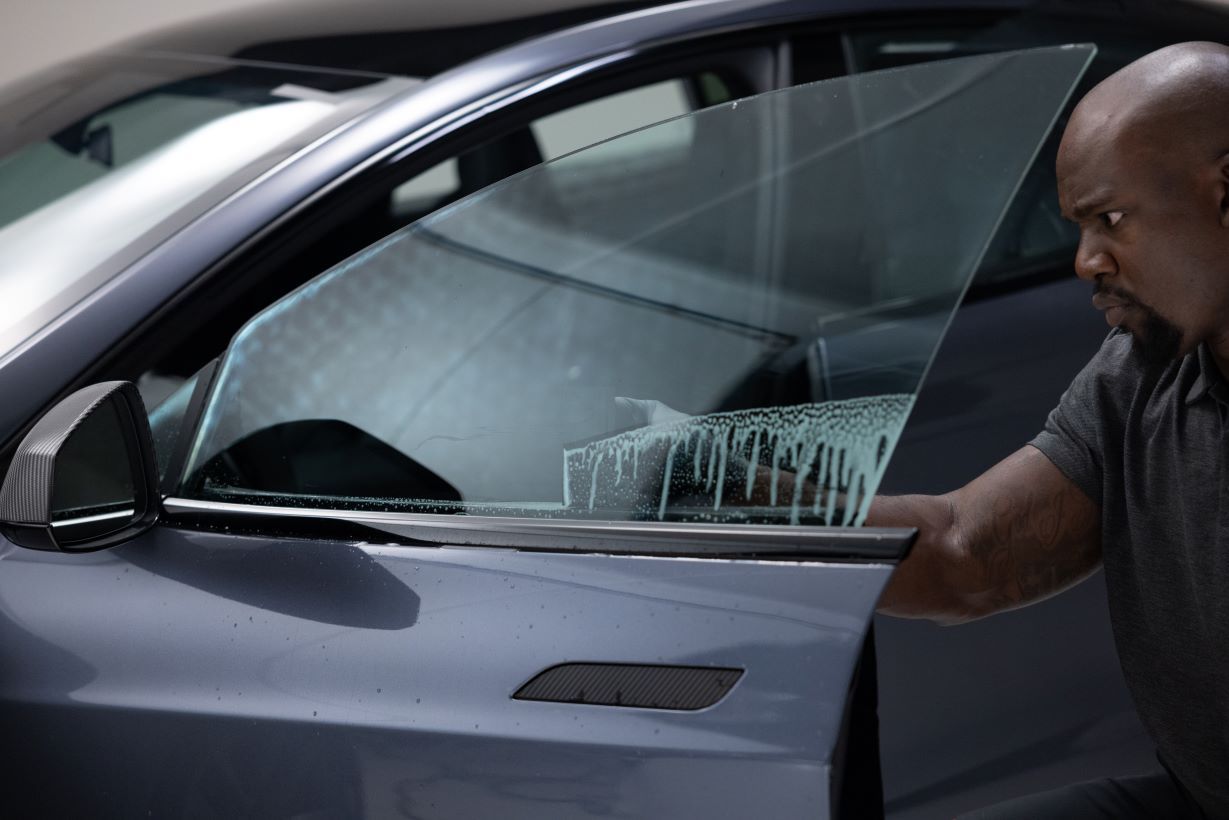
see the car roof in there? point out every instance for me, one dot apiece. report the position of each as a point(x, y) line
point(416, 38)
point(423, 38)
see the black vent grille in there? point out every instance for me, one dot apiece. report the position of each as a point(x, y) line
point(624, 684)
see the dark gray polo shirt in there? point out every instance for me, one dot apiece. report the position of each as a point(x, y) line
point(1151, 450)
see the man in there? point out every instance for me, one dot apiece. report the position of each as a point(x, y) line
point(1131, 468)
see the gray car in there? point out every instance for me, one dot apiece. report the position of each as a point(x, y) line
point(548, 504)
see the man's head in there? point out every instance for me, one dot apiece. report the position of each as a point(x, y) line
point(1143, 168)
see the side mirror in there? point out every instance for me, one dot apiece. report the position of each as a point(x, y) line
point(84, 478)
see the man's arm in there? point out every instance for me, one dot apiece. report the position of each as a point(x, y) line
point(1020, 532)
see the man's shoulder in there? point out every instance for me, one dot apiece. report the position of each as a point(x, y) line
point(1118, 353)
point(1115, 368)
point(1119, 377)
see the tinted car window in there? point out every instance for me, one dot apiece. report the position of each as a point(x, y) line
point(584, 112)
point(559, 133)
point(583, 125)
point(735, 336)
point(1033, 229)
point(1033, 238)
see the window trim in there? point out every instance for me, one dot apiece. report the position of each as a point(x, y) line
point(657, 539)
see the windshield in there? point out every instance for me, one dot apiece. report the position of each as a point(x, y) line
point(737, 336)
point(102, 160)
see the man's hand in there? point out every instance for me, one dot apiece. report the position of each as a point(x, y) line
point(1020, 532)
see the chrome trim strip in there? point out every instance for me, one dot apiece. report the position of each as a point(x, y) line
point(630, 537)
point(90, 519)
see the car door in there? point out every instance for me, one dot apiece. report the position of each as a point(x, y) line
point(539, 507)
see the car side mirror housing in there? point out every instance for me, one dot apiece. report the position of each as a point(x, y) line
point(84, 478)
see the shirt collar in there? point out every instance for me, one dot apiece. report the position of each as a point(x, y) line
point(1208, 381)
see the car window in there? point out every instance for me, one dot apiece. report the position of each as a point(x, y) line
point(588, 111)
point(1033, 238)
point(1033, 230)
point(563, 132)
point(166, 402)
point(736, 335)
point(583, 125)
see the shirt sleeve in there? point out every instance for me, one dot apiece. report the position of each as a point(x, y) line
point(1077, 429)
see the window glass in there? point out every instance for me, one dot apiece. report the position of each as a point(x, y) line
point(583, 125)
point(166, 401)
point(735, 336)
point(421, 193)
point(564, 132)
point(1034, 238)
point(879, 49)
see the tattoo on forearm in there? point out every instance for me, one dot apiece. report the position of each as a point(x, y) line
point(1025, 550)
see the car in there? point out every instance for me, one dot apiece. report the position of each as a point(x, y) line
point(295, 169)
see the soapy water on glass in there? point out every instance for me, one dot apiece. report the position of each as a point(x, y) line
point(838, 446)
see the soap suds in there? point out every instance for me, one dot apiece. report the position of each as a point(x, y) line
point(840, 447)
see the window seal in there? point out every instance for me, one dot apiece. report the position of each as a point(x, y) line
point(668, 539)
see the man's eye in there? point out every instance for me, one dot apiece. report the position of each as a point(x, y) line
point(1112, 218)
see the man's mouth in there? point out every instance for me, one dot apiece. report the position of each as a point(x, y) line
point(1114, 315)
point(1115, 307)
point(1105, 301)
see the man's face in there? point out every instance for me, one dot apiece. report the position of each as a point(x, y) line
point(1151, 242)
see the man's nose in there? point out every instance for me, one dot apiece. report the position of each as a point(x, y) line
point(1093, 260)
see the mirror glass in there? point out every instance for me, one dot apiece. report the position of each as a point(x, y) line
point(94, 489)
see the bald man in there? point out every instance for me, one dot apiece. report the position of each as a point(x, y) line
point(1132, 468)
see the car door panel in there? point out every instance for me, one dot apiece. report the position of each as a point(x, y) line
point(386, 672)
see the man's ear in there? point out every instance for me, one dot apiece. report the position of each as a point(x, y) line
point(1222, 188)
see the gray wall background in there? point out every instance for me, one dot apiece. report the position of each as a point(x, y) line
point(36, 34)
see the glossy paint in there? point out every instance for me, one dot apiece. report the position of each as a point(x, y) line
point(378, 679)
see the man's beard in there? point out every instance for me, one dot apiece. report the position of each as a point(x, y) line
point(1157, 340)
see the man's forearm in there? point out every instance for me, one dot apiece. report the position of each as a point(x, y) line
point(927, 584)
point(1019, 533)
